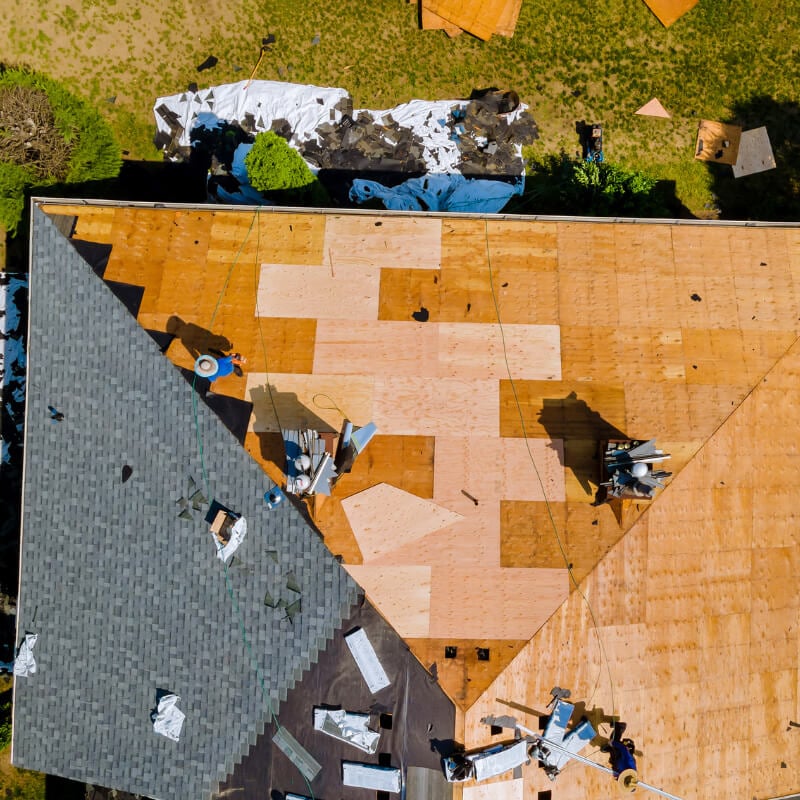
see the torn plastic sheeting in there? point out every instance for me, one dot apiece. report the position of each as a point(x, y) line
point(371, 776)
point(25, 664)
point(264, 100)
point(238, 532)
point(169, 718)
point(347, 727)
point(451, 192)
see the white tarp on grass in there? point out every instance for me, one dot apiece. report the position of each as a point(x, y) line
point(305, 108)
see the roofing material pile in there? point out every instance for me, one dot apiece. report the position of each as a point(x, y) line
point(482, 135)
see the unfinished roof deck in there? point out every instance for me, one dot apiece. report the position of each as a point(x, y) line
point(540, 338)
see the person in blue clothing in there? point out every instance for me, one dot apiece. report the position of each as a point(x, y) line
point(227, 365)
point(620, 751)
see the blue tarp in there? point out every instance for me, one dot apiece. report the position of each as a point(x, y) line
point(436, 192)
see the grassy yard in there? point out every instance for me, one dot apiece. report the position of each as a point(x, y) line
point(597, 61)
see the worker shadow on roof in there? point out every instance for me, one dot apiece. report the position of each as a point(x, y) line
point(572, 421)
point(196, 339)
point(274, 411)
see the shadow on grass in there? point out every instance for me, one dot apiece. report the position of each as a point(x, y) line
point(774, 195)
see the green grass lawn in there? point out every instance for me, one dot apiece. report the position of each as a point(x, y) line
point(569, 61)
point(596, 61)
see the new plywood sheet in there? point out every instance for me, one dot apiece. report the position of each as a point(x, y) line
point(434, 407)
point(507, 23)
point(473, 541)
point(500, 790)
point(498, 468)
point(307, 401)
point(669, 11)
point(382, 241)
point(384, 517)
point(376, 347)
point(294, 290)
point(494, 602)
point(401, 594)
point(489, 351)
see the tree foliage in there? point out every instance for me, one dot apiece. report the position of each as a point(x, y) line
point(47, 136)
point(273, 166)
point(557, 184)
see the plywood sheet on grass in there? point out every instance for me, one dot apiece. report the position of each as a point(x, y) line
point(430, 21)
point(382, 241)
point(507, 23)
point(717, 142)
point(401, 594)
point(384, 517)
point(497, 603)
point(296, 290)
point(478, 17)
point(755, 153)
point(653, 108)
point(669, 11)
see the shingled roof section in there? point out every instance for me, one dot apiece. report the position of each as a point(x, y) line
point(128, 598)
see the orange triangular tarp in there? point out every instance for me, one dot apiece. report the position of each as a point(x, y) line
point(653, 108)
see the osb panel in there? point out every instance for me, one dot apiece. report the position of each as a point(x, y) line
point(401, 594)
point(561, 409)
point(690, 591)
point(430, 407)
point(349, 292)
point(501, 603)
point(384, 517)
point(307, 401)
point(494, 468)
point(464, 677)
point(332, 522)
point(488, 351)
point(381, 241)
point(376, 347)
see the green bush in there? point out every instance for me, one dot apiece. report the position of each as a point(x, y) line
point(557, 184)
point(273, 166)
point(73, 143)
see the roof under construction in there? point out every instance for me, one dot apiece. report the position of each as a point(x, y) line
point(493, 355)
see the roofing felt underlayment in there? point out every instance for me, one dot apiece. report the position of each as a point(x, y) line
point(127, 597)
point(644, 329)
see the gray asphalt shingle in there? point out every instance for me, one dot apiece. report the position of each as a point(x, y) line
point(127, 597)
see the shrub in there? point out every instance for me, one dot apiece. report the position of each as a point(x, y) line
point(273, 166)
point(557, 184)
point(47, 136)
